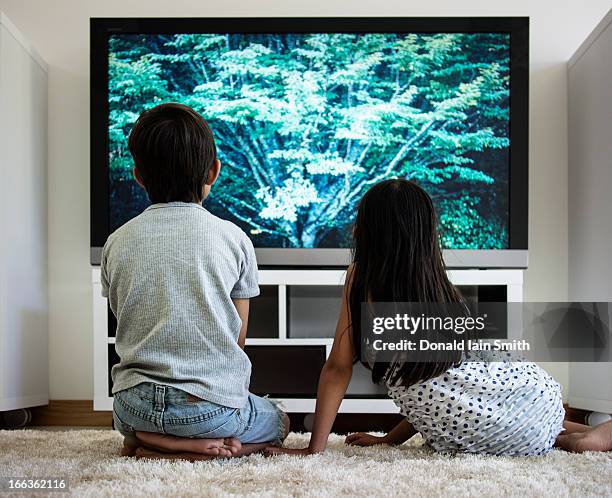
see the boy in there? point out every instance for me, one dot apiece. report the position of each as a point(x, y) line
point(179, 281)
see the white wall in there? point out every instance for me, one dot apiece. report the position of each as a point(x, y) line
point(60, 31)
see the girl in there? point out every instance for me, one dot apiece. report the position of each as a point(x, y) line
point(500, 408)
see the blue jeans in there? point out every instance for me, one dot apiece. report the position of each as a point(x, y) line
point(163, 409)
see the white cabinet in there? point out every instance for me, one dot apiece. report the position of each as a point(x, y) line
point(590, 200)
point(24, 372)
point(294, 320)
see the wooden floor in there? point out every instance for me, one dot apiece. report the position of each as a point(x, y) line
point(74, 413)
point(80, 413)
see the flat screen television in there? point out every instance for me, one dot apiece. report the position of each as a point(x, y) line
point(308, 113)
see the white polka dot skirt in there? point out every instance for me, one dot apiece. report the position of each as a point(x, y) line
point(497, 408)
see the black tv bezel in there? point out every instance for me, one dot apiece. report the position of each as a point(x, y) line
point(517, 27)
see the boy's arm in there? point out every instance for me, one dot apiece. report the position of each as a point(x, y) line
point(242, 307)
point(401, 433)
point(246, 287)
point(104, 272)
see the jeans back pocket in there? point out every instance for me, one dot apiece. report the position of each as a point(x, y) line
point(132, 413)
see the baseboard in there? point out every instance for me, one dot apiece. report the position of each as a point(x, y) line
point(81, 413)
point(592, 404)
point(71, 413)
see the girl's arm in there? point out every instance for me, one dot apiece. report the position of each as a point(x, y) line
point(333, 382)
point(401, 433)
point(335, 377)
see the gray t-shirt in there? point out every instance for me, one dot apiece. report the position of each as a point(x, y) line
point(170, 275)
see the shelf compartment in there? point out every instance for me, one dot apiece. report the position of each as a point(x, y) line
point(113, 359)
point(361, 384)
point(112, 321)
point(286, 371)
point(263, 314)
point(280, 371)
point(484, 293)
point(312, 311)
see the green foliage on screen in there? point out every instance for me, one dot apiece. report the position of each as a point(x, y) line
point(306, 123)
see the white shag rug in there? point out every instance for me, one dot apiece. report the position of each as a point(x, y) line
point(89, 460)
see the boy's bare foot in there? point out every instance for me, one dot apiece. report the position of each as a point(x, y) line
point(161, 455)
point(129, 446)
point(218, 447)
point(596, 439)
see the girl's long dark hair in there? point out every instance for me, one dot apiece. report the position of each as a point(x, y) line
point(397, 258)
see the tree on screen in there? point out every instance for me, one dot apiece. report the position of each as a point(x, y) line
point(305, 124)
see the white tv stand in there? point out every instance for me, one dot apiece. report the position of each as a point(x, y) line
point(305, 306)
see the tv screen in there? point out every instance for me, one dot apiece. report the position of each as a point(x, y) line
point(306, 120)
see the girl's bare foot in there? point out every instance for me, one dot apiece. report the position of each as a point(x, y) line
point(218, 447)
point(596, 439)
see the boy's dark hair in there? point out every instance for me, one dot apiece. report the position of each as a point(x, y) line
point(173, 149)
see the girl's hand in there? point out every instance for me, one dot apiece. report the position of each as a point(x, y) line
point(363, 439)
point(275, 450)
